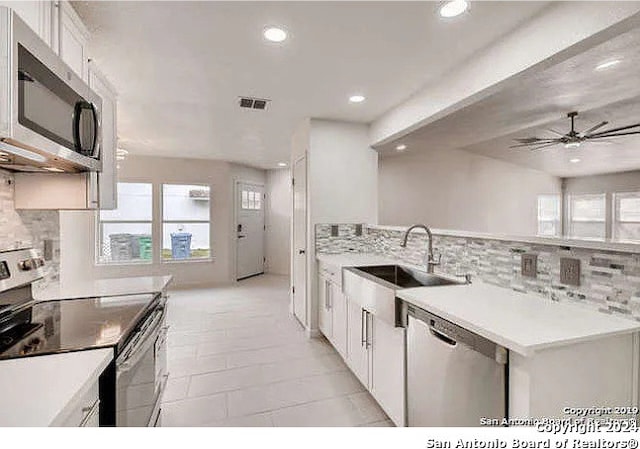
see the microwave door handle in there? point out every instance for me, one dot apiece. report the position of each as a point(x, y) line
point(77, 112)
point(96, 130)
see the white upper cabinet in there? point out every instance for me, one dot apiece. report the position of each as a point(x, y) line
point(37, 14)
point(107, 179)
point(72, 38)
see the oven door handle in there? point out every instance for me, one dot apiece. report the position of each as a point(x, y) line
point(141, 344)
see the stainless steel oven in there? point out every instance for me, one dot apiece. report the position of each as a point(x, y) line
point(141, 374)
point(49, 117)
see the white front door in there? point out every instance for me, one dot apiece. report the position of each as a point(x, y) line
point(299, 269)
point(250, 201)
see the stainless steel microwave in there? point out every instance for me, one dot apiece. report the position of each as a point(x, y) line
point(49, 117)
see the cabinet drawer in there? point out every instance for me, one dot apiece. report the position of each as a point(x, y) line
point(331, 272)
point(82, 411)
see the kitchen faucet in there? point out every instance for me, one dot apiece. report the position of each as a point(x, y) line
point(431, 261)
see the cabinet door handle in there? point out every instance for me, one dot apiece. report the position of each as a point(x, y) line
point(363, 317)
point(329, 295)
point(368, 341)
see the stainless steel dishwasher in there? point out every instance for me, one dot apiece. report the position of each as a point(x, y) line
point(454, 376)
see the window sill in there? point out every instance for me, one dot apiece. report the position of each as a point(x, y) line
point(123, 263)
point(184, 261)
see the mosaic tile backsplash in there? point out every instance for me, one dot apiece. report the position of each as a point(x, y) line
point(29, 228)
point(609, 281)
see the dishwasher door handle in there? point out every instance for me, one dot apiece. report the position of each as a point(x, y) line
point(442, 337)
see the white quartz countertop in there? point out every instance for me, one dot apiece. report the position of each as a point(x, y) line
point(104, 287)
point(35, 390)
point(524, 323)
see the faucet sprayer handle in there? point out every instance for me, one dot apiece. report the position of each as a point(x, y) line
point(435, 259)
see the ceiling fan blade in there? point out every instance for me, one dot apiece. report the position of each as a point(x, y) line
point(598, 126)
point(556, 132)
point(613, 130)
point(616, 134)
point(540, 147)
point(529, 139)
point(529, 144)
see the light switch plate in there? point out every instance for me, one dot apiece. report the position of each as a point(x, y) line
point(529, 265)
point(570, 271)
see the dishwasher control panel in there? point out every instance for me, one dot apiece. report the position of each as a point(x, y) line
point(454, 335)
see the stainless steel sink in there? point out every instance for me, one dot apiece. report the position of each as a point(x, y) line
point(405, 277)
point(374, 287)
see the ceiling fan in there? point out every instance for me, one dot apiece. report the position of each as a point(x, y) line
point(573, 138)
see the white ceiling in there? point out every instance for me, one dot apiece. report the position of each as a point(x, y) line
point(540, 101)
point(180, 66)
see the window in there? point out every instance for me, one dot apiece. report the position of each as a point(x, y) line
point(251, 200)
point(549, 215)
point(124, 234)
point(185, 222)
point(587, 216)
point(626, 216)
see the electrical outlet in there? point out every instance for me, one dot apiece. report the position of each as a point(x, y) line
point(358, 230)
point(570, 271)
point(334, 231)
point(529, 265)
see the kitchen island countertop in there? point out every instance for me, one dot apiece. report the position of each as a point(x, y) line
point(521, 322)
point(104, 287)
point(35, 391)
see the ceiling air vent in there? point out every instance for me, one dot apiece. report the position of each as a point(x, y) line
point(253, 103)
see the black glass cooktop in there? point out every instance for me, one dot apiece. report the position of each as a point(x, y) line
point(77, 324)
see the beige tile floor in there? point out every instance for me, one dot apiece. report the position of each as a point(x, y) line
point(238, 358)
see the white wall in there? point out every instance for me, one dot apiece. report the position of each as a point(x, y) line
point(342, 178)
point(77, 228)
point(458, 190)
point(278, 217)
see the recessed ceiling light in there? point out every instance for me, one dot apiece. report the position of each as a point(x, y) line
point(274, 34)
point(282, 164)
point(453, 8)
point(574, 160)
point(401, 147)
point(356, 98)
point(607, 64)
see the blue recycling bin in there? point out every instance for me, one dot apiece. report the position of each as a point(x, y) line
point(180, 245)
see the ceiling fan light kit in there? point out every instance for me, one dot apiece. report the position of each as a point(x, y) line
point(573, 139)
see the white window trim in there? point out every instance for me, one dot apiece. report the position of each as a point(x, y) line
point(164, 260)
point(98, 234)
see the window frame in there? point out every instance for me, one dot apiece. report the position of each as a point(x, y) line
point(99, 222)
point(163, 222)
point(615, 215)
point(557, 221)
point(571, 220)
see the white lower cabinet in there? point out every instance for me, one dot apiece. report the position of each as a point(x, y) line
point(373, 348)
point(83, 412)
point(357, 351)
point(376, 356)
point(325, 312)
point(332, 313)
point(387, 368)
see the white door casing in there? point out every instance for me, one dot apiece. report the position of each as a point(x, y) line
point(250, 229)
point(299, 247)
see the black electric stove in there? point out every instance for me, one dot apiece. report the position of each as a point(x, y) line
point(30, 328)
